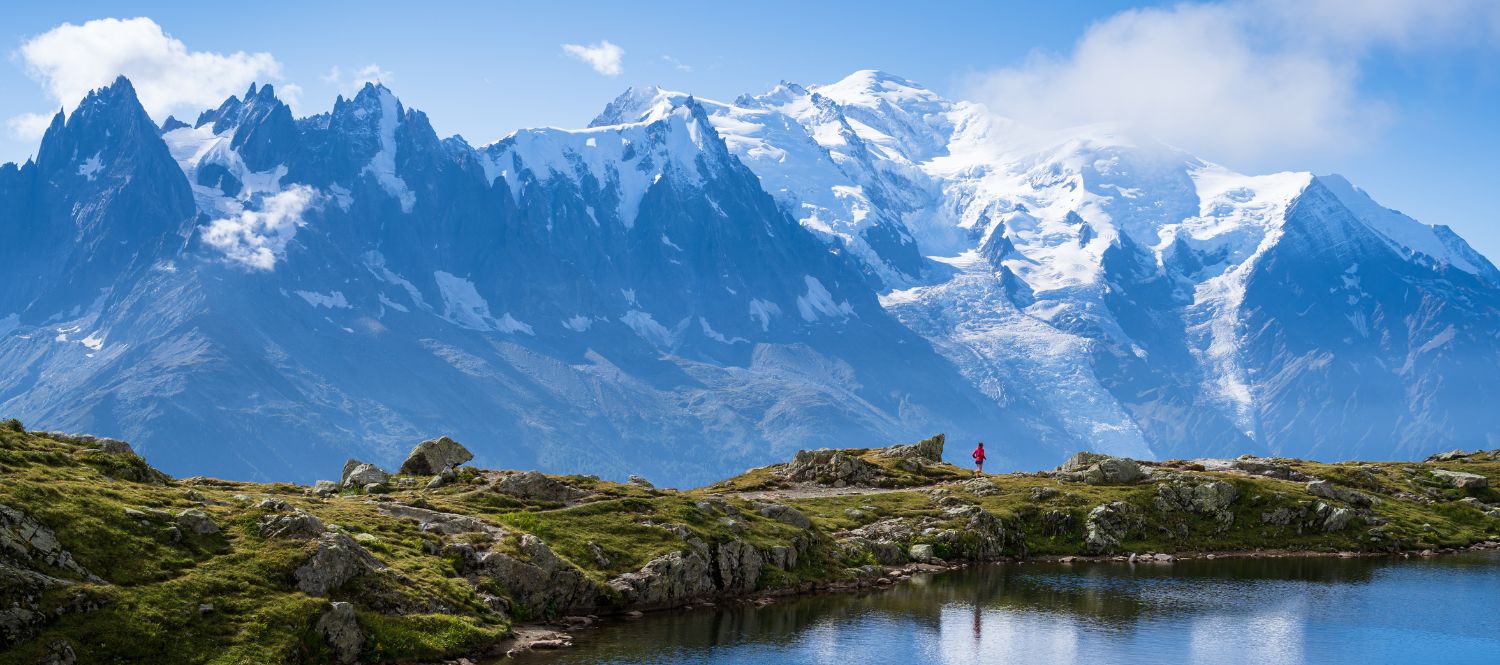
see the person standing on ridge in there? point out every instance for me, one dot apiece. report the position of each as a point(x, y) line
point(978, 456)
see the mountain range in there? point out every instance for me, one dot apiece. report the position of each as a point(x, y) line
point(688, 287)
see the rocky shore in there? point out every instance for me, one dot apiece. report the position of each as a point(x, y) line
point(104, 559)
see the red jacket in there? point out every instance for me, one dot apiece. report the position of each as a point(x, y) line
point(979, 455)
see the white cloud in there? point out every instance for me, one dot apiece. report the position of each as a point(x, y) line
point(604, 57)
point(28, 126)
point(1234, 80)
point(677, 64)
point(349, 85)
point(70, 60)
point(256, 239)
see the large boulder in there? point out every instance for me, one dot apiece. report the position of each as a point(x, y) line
point(786, 515)
point(292, 525)
point(337, 560)
point(1461, 480)
point(342, 633)
point(1327, 490)
point(537, 487)
point(666, 581)
point(536, 578)
point(432, 456)
point(361, 474)
point(1455, 454)
point(1207, 498)
point(1100, 469)
point(196, 522)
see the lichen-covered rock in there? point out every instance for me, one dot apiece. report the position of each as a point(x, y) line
point(292, 525)
point(666, 581)
point(1208, 498)
point(980, 487)
point(1260, 466)
point(923, 552)
point(1327, 490)
point(1456, 453)
point(341, 631)
point(1461, 480)
point(930, 450)
point(447, 524)
point(1057, 523)
point(537, 487)
point(1107, 526)
point(27, 541)
point(826, 466)
point(638, 481)
point(786, 515)
point(325, 488)
point(197, 522)
point(736, 567)
point(536, 578)
point(782, 557)
point(361, 474)
point(986, 536)
point(337, 560)
point(1099, 469)
point(1310, 516)
point(434, 455)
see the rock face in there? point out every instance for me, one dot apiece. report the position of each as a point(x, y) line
point(736, 567)
point(341, 631)
point(538, 581)
point(537, 487)
point(1310, 516)
point(830, 467)
point(1461, 479)
point(25, 540)
point(1208, 498)
point(337, 560)
point(1097, 469)
point(1327, 490)
point(295, 525)
point(360, 474)
point(1456, 453)
point(1107, 525)
point(433, 456)
point(666, 581)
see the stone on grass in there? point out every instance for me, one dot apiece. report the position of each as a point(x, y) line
point(434, 455)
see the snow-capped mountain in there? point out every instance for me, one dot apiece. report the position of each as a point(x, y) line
point(690, 287)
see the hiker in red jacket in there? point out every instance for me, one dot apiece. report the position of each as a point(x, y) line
point(979, 460)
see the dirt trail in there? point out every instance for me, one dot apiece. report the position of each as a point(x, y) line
point(810, 491)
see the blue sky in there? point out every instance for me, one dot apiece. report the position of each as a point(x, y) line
point(1402, 97)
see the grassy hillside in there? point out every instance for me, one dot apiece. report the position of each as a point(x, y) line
point(104, 558)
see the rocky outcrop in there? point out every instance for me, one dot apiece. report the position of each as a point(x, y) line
point(337, 560)
point(930, 450)
point(666, 581)
point(341, 632)
point(825, 466)
point(25, 541)
point(1455, 454)
point(1098, 469)
point(1310, 516)
point(1461, 479)
point(446, 524)
point(1327, 490)
point(294, 525)
point(537, 581)
point(1210, 498)
point(980, 487)
point(534, 486)
point(985, 536)
point(433, 456)
point(1107, 526)
point(104, 444)
point(736, 567)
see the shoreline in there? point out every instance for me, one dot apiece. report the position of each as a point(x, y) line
point(559, 634)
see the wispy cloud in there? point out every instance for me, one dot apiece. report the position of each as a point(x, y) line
point(677, 64)
point(1239, 79)
point(350, 84)
point(604, 57)
point(28, 126)
point(70, 60)
point(257, 239)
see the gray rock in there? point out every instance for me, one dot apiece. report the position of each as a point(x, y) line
point(826, 466)
point(1457, 453)
point(1327, 490)
point(640, 482)
point(923, 552)
point(1461, 480)
point(535, 577)
point(363, 475)
point(434, 455)
point(537, 487)
point(342, 633)
point(1107, 525)
point(1043, 493)
point(666, 581)
point(786, 515)
point(930, 450)
point(196, 521)
point(782, 557)
point(59, 652)
point(980, 487)
point(736, 567)
point(296, 525)
point(25, 540)
point(442, 478)
point(446, 524)
point(1260, 466)
point(1099, 469)
point(337, 560)
point(325, 488)
point(1209, 498)
point(1057, 523)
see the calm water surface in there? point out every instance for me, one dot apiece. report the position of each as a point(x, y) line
point(1443, 610)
